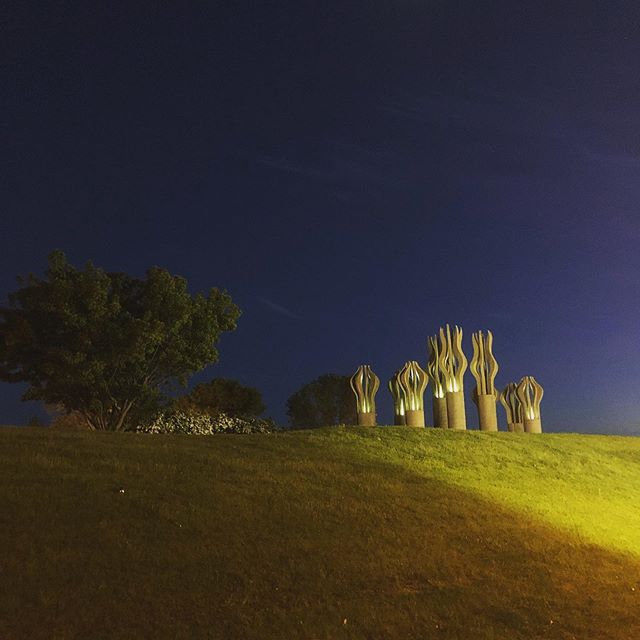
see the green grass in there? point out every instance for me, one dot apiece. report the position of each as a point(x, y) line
point(334, 533)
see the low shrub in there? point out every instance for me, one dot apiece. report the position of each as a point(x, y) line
point(204, 425)
point(72, 421)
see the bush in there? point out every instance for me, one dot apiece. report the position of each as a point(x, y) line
point(71, 421)
point(205, 425)
point(221, 395)
point(324, 401)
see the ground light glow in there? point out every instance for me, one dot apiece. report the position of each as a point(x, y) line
point(452, 518)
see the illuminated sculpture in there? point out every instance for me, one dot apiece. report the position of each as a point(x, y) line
point(530, 394)
point(436, 375)
point(513, 408)
point(484, 368)
point(413, 381)
point(453, 364)
point(365, 384)
point(398, 400)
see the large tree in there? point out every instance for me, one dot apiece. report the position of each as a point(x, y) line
point(223, 396)
point(327, 400)
point(106, 344)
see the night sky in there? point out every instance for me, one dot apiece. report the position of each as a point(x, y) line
point(355, 174)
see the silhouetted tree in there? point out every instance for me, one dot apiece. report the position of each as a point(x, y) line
point(36, 421)
point(223, 396)
point(327, 400)
point(104, 345)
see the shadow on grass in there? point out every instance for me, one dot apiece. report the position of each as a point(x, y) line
point(281, 539)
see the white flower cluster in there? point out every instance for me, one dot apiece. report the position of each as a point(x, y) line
point(204, 425)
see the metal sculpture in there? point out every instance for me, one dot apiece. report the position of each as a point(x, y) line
point(413, 381)
point(399, 417)
point(484, 368)
point(364, 384)
point(513, 408)
point(530, 394)
point(453, 363)
point(438, 388)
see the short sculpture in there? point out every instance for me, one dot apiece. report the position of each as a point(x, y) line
point(530, 394)
point(398, 400)
point(484, 369)
point(365, 384)
point(453, 364)
point(413, 381)
point(436, 375)
point(513, 408)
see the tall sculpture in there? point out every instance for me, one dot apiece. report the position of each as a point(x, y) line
point(398, 400)
point(413, 381)
point(364, 384)
point(438, 388)
point(530, 394)
point(484, 369)
point(453, 364)
point(513, 408)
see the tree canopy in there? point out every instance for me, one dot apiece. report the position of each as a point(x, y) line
point(325, 401)
point(221, 395)
point(106, 344)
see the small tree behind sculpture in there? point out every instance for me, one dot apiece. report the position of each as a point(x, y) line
point(438, 385)
point(413, 381)
point(484, 368)
point(530, 394)
point(222, 395)
point(512, 407)
point(365, 384)
point(324, 401)
point(399, 417)
point(453, 363)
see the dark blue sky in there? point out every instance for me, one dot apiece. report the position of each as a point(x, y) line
point(355, 174)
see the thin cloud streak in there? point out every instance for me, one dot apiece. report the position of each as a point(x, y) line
point(342, 163)
point(290, 166)
point(278, 308)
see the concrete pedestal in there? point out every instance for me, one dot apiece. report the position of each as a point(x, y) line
point(532, 426)
point(487, 412)
point(415, 418)
point(456, 416)
point(399, 420)
point(440, 420)
point(367, 419)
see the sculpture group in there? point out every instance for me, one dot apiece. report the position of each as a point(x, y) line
point(446, 367)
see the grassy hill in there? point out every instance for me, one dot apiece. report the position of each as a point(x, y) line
point(334, 533)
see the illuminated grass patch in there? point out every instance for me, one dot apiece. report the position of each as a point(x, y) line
point(363, 533)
